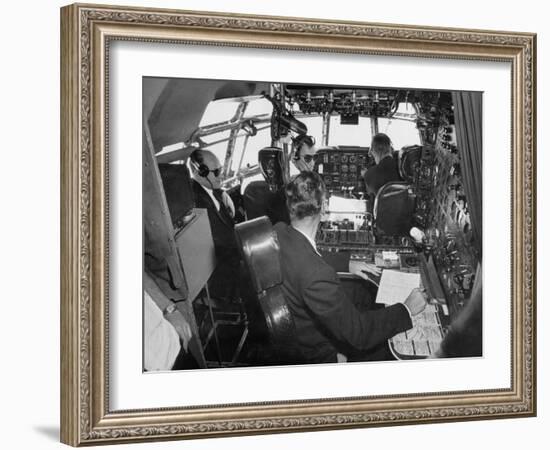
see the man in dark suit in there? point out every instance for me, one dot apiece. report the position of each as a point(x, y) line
point(327, 321)
point(206, 172)
point(385, 169)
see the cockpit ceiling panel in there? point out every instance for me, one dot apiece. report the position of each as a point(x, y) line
point(323, 90)
point(178, 104)
point(352, 102)
point(349, 102)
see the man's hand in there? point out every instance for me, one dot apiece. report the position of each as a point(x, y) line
point(416, 301)
point(362, 269)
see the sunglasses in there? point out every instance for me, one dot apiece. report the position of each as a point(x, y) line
point(216, 172)
point(308, 158)
point(304, 139)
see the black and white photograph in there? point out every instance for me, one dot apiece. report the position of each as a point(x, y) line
point(289, 223)
point(275, 225)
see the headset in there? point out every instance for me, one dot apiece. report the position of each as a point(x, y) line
point(300, 140)
point(202, 169)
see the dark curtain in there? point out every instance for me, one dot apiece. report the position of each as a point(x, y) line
point(468, 121)
point(465, 335)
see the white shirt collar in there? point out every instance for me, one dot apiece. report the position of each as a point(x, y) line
point(311, 241)
point(227, 200)
point(211, 194)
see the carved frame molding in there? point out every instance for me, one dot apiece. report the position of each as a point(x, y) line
point(86, 31)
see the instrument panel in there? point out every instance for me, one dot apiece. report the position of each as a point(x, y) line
point(342, 167)
point(346, 101)
point(442, 211)
point(334, 240)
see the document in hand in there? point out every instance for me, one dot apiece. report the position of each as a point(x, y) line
point(395, 286)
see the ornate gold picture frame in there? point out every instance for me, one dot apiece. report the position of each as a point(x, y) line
point(87, 31)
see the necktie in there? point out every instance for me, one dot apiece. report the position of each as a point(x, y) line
point(218, 195)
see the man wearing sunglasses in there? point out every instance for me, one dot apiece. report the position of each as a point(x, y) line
point(207, 181)
point(303, 152)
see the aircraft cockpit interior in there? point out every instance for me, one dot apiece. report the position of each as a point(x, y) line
point(380, 186)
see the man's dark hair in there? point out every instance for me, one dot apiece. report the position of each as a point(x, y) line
point(380, 145)
point(299, 141)
point(302, 139)
point(305, 195)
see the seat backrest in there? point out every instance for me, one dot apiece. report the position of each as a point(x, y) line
point(179, 193)
point(393, 209)
point(256, 197)
point(260, 252)
point(272, 166)
point(409, 162)
point(259, 200)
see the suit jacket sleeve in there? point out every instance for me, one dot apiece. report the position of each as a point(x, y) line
point(329, 304)
point(339, 261)
point(369, 179)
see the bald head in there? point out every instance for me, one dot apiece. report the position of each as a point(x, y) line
point(206, 169)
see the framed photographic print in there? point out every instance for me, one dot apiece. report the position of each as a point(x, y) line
point(279, 224)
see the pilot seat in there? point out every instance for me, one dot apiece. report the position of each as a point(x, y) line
point(394, 209)
point(409, 162)
point(267, 198)
point(271, 324)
